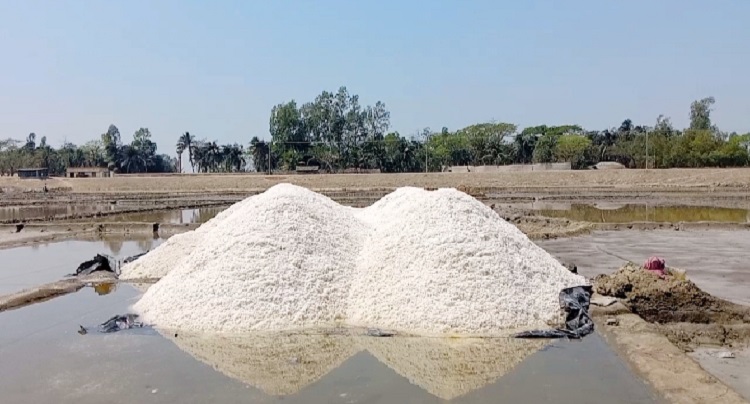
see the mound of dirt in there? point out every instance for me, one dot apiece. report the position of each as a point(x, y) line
point(672, 299)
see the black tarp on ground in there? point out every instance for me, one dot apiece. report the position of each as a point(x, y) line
point(99, 263)
point(133, 258)
point(578, 324)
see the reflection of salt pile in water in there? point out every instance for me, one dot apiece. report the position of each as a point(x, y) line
point(451, 367)
point(275, 364)
point(283, 364)
point(426, 262)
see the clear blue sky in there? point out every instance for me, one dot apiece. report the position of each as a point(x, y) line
point(215, 68)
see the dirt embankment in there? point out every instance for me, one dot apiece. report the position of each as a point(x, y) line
point(668, 299)
point(674, 178)
point(51, 290)
point(671, 316)
point(687, 315)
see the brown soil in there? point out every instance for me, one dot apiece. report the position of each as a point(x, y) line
point(668, 300)
point(688, 336)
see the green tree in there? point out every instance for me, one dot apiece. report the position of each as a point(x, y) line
point(572, 148)
point(544, 150)
point(186, 142)
point(260, 152)
point(112, 144)
point(700, 114)
point(484, 141)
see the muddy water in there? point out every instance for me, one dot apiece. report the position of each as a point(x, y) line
point(25, 267)
point(645, 213)
point(176, 216)
point(717, 261)
point(44, 359)
point(39, 212)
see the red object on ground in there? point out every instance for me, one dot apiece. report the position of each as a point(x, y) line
point(656, 265)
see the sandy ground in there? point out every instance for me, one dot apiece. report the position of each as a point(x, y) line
point(674, 178)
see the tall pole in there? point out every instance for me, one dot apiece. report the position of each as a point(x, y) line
point(269, 158)
point(646, 149)
point(426, 140)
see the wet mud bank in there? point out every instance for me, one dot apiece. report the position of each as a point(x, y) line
point(659, 318)
point(49, 291)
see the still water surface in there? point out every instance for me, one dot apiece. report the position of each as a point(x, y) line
point(645, 213)
point(44, 359)
point(34, 265)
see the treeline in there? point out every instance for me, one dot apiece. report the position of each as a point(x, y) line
point(138, 156)
point(335, 132)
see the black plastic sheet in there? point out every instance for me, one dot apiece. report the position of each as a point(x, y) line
point(99, 263)
point(578, 324)
point(133, 258)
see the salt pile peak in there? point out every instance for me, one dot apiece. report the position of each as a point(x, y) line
point(425, 262)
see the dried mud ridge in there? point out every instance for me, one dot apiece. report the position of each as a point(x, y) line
point(49, 291)
point(687, 315)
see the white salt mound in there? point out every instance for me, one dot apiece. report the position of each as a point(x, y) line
point(441, 261)
point(282, 260)
point(424, 262)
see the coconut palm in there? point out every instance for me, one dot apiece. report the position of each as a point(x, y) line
point(188, 143)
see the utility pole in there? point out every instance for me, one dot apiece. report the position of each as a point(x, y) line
point(269, 158)
point(425, 156)
point(646, 149)
point(426, 141)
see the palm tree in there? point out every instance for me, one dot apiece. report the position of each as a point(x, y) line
point(213, 156)
point(259, 150)
point(198, 156)
point(130, 158)
point(232, 157)
point(188, 142)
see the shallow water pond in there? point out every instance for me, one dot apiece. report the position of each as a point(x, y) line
point(644, 213)
point(41, 212)
point(174, 216)
point(25, 267)
point(44, 359)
